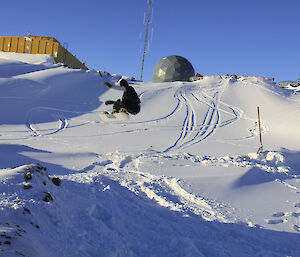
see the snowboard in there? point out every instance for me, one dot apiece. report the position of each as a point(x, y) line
point(111, 117)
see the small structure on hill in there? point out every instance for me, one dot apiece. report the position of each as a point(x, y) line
point(41, 45)
point(290, 83)
point(196, 77)
point(173, 68)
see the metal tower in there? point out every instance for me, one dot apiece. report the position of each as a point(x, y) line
point(147, 22)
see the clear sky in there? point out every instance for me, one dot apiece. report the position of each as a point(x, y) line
point(247, 37)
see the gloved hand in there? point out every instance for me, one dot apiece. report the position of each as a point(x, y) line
point(108, 102)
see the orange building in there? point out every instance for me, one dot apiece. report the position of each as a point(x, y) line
point(41, 45)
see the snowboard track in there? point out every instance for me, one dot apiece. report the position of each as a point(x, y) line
point(192, 99)
point(57, 115)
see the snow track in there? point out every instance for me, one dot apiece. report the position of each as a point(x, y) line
point(62, 125)
point(131, 172)
point(196, 127)
point(44, 130)
point(168, 192)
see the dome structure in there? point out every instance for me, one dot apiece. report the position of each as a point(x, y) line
point(172, 68)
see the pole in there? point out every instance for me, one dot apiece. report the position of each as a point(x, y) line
point(259, 127)
point(146, 38)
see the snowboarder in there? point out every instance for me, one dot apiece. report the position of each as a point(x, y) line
point(130, 101)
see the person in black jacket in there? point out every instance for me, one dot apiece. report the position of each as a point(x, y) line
point(130, 102)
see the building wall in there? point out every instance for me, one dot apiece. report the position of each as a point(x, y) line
point(41, 45)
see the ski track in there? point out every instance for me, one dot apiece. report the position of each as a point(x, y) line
point(192, 100)
point(170, 114)
point(56, 114)
point(63, 124)
point(189, 99)
point(177, 107)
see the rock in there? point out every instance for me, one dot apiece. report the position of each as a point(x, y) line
point(56, 181)
point(26, 210)
point(27, 186)
point(48, 197)
point(28, 175)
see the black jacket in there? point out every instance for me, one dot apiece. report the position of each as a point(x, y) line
point(130, 96)
point(130, 100)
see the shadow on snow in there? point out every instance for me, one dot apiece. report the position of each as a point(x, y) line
point(111, 220)
point(47, 97)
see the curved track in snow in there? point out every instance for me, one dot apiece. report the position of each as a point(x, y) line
point(198, 125)
point(59, 124)
point(55, 127)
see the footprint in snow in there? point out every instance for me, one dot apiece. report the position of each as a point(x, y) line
point(297, 228)
point(107, 162)
point(278, 214)
point(111, 169)
point(127, 160)
point(274, 222)
point(296, 214)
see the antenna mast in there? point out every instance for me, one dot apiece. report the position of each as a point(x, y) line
point(146, 42)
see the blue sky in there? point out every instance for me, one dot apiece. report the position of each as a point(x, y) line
point(247, 37)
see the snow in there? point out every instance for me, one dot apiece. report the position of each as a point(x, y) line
point(181, 178)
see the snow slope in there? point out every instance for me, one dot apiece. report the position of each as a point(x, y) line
point(181, 178)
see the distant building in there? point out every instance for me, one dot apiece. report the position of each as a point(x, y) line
point(289, 83)
point(41, 45)
point(173, 68)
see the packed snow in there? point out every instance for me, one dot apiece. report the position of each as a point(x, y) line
point(181, 178)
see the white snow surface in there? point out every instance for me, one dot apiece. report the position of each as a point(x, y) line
point(181, 178)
